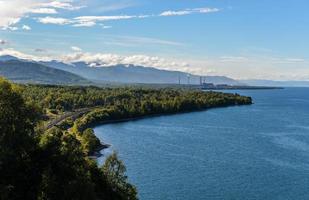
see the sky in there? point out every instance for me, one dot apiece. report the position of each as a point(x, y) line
point(242, 39)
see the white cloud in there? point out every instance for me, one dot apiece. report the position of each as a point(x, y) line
point(114, 59)
point(84, 24)
point(173, 13)
point(62, 4)
point(74, 48)
point(105, 59)
point(92, 20)
point(54, 20)
point(44, 11)
point(82, 21)
point(207, 10)
point(11, 11)
point(188, 11)
point(103, 18)
point(89, 21)
point(21, 55)
point(10, 28)
point(25, 27)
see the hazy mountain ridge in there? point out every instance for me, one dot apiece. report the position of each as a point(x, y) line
point(135, 74)
point(108, 74)
point(30, 72)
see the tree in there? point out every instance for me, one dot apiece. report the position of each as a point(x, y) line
point(90, 142)
point(65, 173)
point(115, 170)
point(17, 145)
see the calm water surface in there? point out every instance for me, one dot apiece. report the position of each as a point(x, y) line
point(248, 152)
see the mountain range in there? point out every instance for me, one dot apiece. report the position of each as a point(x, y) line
point(56, 72)
point(134, 74)
point(81, 73)
point(31, 72)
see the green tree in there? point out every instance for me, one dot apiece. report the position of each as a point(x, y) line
point(18, 150)
point(90, 142)
point(115, 170)
point(65, 170)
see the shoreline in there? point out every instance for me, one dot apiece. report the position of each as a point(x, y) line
point(227, 87)
point(157, 115)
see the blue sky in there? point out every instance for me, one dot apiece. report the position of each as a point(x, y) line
point(243, 39)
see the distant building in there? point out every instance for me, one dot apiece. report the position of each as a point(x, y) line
point(208, 85)
point(223, 85)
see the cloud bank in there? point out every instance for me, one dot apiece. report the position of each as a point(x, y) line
point(104, 60)
point(238, 67)
point(12, 11)
point(89, 21)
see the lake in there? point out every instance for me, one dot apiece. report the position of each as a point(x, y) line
point(259, 151)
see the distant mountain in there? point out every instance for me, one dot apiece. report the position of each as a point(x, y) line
point(276, 83)
point(31, 72)
point(134, 74)
point(7, 58)
point(55, 72)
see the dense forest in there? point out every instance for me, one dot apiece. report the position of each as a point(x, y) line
point(42, 162)
point(113, 104)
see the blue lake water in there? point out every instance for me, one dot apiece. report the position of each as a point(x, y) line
point(248, 152)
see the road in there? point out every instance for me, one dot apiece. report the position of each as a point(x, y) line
point(75, 114)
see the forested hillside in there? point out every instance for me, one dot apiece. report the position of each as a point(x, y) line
point(36, 164)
